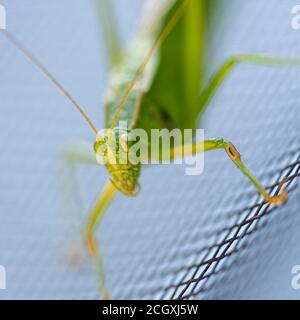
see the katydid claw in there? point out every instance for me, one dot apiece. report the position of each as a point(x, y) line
point(277, 200)
point(280, 198)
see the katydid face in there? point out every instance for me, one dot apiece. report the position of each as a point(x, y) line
point(113, 152)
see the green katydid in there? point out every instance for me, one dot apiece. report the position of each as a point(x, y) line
point(175, 41)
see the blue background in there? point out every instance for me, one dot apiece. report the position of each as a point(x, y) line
point(146, 241)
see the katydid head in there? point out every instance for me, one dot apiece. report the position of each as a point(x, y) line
point(114, 152)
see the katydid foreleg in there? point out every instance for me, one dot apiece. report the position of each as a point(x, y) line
point(83, 154)
point(94, 219)
point(235, 157)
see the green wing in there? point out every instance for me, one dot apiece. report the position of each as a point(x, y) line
point(168, 97)
point(178, 79)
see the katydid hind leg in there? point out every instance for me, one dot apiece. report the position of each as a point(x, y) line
point(235, 157)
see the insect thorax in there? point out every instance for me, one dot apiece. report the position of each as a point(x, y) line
point(113, 152)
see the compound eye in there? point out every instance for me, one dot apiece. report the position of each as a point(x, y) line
point(98, 146)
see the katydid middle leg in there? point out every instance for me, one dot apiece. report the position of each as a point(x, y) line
point(228, 66)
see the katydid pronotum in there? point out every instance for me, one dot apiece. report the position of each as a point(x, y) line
point(136, 96)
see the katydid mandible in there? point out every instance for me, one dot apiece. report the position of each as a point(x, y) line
point(156, 60)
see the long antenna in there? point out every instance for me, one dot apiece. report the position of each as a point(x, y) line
point(44, 70)
point(163, 35)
